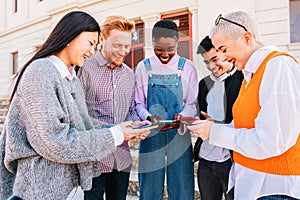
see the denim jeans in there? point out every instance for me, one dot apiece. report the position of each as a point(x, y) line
point(277, 197)
point(213, 179)
point(166, 152)
point(174, 160)
point(114, 184)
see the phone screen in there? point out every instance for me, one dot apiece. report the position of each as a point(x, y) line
point(187, 120)
point(147, 126)
point(165, 121)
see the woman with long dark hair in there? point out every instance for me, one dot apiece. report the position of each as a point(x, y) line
point(49, 144)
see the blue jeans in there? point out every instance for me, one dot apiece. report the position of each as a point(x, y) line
point(277, 197)
point(114, 184)
point(213, 179)
point(166, 152)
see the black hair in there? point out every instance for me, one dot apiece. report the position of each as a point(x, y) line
point(69, 27)
point(205, 45)
point(165, 28)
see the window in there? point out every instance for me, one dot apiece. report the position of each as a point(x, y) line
point(295, 21)
point(137, 48)
point(15, 62)
point(15, 6)
point(184, 23)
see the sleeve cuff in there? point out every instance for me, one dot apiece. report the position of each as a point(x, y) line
point(222, 136)
point(117, 134)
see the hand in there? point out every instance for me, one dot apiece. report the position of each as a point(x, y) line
point(130, 133)
point(188, 120)
point(154, 118)
point(175, 124)
point(207, 117)
point(201, 128)
point(177, 116)
point(138, 123)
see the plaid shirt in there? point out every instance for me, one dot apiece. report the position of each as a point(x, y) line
point(110, 99)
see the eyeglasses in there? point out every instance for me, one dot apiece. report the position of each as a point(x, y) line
point(217, 22)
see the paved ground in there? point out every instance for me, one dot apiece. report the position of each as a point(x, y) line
point(78, 195)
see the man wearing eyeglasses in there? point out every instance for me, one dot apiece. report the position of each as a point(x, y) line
point(217, 94)
point(265, 137)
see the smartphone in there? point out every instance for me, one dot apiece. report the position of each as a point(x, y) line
point(147, 126)
point(165, 121)
point(187, 120)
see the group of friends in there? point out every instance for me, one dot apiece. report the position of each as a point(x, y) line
point(68, 128)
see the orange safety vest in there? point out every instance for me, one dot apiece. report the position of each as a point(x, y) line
point(245, 111)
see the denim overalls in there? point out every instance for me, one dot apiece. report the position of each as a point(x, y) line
point(166, 150)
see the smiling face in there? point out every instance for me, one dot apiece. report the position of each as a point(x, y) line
point(165, 48)
point(80, 48)
point(236, 51)
point(215, 62)
point(116, 46)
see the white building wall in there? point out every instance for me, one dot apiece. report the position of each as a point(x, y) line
point(27, 29)
point(208, 10)
point(274, 24)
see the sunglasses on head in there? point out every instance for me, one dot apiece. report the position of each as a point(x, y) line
point(217, 22)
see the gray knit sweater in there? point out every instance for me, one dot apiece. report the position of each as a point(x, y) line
point(49, 143)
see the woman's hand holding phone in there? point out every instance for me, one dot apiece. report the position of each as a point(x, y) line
point(131, 132)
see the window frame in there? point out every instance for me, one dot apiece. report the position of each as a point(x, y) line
point(187, 38)
point(140, 44)
point(15, 6)
point(15, 62)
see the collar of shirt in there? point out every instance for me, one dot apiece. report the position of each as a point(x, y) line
point(62, 68)
point(102, 62)
point(173, 60)
point(223, 76)
point(255, 61)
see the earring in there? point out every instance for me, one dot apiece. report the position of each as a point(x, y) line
point(68, 45)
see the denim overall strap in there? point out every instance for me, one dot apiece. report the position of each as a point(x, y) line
point(147, 64)
point(181, 63)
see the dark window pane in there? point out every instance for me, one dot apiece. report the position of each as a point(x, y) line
point(15, 62)
point(184, 49)
point(138, 56)
point(182, 22)
point(16, 6)
point(138, 35)
point(128, 60)
point(137, 53)
point(295, 20)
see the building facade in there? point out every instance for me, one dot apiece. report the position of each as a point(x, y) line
point(25, 24)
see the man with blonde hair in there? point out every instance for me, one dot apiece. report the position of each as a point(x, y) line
point(109, 89)
point(265, 137)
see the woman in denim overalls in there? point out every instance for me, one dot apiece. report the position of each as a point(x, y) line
point(162, 92)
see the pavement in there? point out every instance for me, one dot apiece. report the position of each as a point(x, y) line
point(77, 194)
